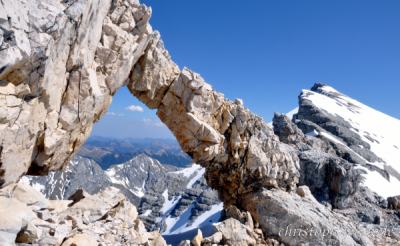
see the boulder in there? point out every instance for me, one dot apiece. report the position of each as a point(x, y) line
point(58, 206)
point(77, 196)
point(158, 239)
point(125, 211)
point(233, 212)
point(198, 238)
point(26, 194)
point(249, 221)
point(305, 192)
point(139, 226)
point(81, 240)
point(28, 234)
point(43, 214)
point(235, 233)
point(213, 239)
point(98, 205)
point(14, 215)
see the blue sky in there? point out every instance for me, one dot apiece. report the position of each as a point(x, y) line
point(266, 52)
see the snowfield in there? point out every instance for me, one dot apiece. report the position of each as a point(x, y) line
point(177, 227)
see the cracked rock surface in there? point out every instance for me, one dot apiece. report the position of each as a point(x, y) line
point(60, 64)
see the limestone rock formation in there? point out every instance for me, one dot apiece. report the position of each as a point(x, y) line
point(284, 215)
point(68, 76)
point(105, 218)
point(61, 63)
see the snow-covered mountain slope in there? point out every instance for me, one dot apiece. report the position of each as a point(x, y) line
point(181, 204)
point(373, 137)
point(138, 174)
point(58, 185)
point(133, 178)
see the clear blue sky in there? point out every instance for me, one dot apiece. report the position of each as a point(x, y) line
point(266, 52)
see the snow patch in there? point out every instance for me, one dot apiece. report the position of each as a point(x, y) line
point(169, 204)
point(378, 184)
point(293, 112)
point(147, 213)
point(199, 174)
point(313, 133)
point(208, 217)
point(189, 170)
point(36, 186)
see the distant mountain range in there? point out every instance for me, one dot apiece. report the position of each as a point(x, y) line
point(132, 140)
point(110, 152)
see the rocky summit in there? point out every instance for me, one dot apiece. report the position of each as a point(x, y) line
point(325, 176)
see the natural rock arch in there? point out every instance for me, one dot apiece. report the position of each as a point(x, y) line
point(60, 65)
point(59, 80)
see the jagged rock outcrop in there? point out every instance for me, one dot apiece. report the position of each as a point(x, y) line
point(330, 178)
point(331, 152)
point(290, 134)
point(105, 218)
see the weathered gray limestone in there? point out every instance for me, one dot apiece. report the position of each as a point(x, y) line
point(60, 65)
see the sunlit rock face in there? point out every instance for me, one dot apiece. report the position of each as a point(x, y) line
point(60, 64)
point(58, 80)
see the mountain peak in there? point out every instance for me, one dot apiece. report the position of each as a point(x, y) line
point(317, 86)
